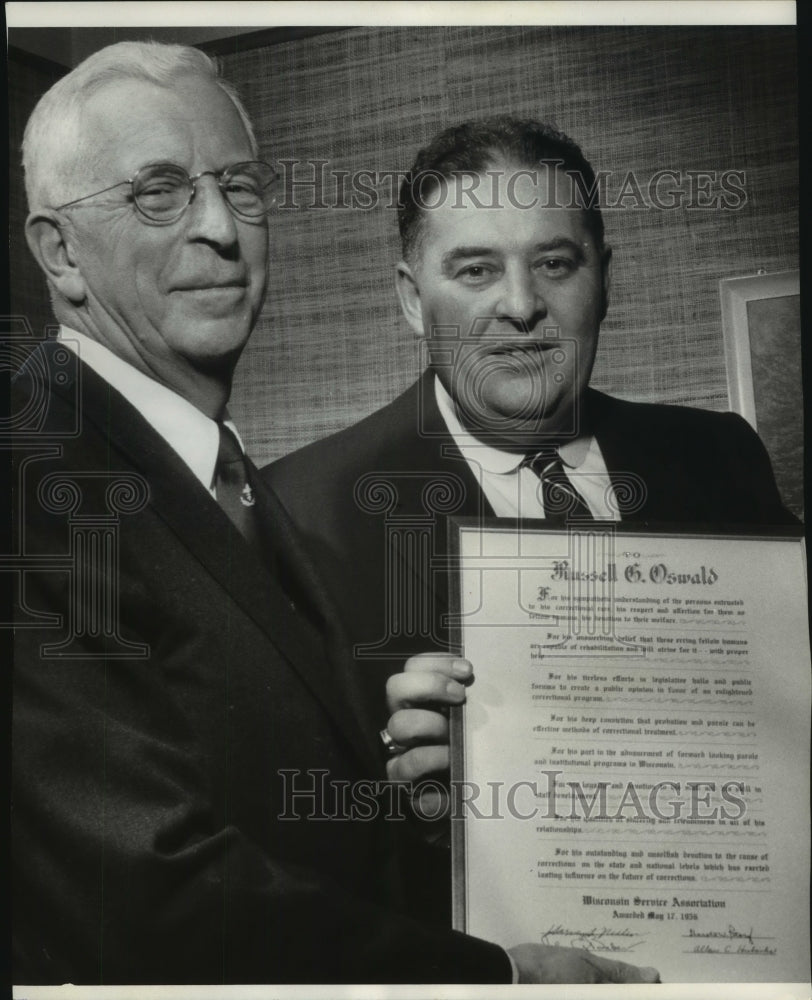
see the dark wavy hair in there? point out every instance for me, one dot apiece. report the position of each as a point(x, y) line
point(473, 147)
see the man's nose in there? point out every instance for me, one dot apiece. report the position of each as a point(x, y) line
point(521, 299)
point(210, 218)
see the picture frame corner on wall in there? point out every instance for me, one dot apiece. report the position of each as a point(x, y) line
point(736, 295)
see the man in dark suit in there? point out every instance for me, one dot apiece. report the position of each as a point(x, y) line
point(184, 720)
point(505, 278)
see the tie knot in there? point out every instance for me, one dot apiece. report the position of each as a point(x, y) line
point(229, 450)
point(543, 460)
point(559, 496)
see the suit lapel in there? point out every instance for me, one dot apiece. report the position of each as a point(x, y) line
point(619, 441)
point(334, 681)
point(179, 498)
point(429, 453)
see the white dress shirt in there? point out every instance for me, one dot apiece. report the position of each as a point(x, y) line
point(189, 432)
point(514, 490)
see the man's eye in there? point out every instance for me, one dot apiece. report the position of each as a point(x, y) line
point(240, 185)
point(474, 273)
point(159, 187)
point(555, 266)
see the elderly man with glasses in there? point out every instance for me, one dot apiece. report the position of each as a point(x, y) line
point(183, 718)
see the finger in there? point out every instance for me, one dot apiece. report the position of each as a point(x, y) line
point(636, 974)
point(441, 663)
point(417, 763)
point(611, 971)
point(431, 801)
point(416, 725)
point(422, 688)
point(648, 974)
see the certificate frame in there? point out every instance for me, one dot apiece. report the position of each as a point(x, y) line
point(457, 525)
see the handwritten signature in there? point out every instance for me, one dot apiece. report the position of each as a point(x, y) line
point(606, 939)
point(742, 942)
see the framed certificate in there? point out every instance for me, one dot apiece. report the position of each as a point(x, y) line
point(630, 771)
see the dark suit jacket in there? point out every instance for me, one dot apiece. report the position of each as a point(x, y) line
point(169, 691)
point(371, 501)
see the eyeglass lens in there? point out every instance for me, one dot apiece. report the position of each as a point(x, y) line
point(162, 191)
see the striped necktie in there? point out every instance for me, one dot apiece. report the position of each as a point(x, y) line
point(233, 490)
point(559, 496)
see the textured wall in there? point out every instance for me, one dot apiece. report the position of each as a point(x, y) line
point(331, 346)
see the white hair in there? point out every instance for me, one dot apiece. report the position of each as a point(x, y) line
point(55, 146)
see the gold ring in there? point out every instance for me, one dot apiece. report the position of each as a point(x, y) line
point(389, 745)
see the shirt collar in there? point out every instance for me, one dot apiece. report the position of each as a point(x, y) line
point(573, 452)
point(188, 431)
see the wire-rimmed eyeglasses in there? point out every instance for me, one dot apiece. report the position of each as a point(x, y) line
point(163, 191)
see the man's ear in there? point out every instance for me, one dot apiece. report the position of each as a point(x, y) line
point(409, 296)
point(606, 268)
point(55, 254)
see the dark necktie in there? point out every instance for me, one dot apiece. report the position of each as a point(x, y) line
point(559, 496)
point(234, 493)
